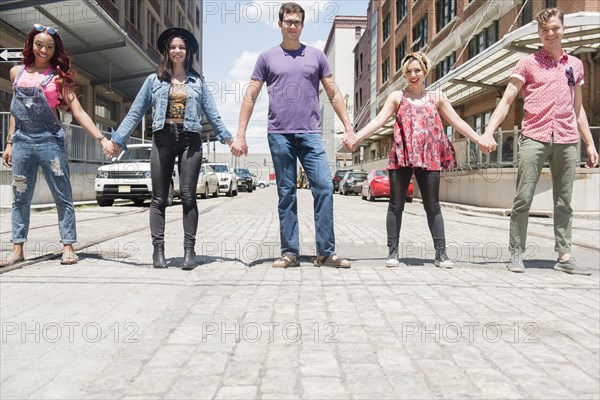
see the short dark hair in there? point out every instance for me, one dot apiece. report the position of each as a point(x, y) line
point(290, 8)
point(547, 13)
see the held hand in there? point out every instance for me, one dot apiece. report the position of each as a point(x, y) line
point(107, 148)
point(592, 156)
point(239, 147)
point(350, 140)
point(487, 144)
point(7, 156)
point(116, 149)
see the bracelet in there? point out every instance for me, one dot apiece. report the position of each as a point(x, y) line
point(9, 142)
point(100, 139)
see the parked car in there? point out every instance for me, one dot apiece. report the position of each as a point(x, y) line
point(245, 180)
point(262, 183)
point(243, 183)
point(208, 182)
point(227, 179)
point(377, 185)
point(129, 178)
point(352, 182)
point(337, 177)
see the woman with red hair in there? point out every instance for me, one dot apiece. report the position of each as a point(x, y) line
point(36, 138)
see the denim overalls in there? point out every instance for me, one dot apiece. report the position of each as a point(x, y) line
point(39, 141)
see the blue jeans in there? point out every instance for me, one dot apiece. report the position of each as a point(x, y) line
point(286, 149)
point(47, 151)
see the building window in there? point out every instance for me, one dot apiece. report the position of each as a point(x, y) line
point(356, 68)
point(105, 108)
point(386, 28)
point(445, 66)
point(527, 14)
point(360, 97)
point(197, 18)
point(180, 20)
point(132, 12)
point(550, 3)
point(445, 11)
point(385, 70)
point(420, 35)
point(357, 32)
point(168, 7)
point(401, 8)
point(483, 39)
point(153, 28)
point(400, 53)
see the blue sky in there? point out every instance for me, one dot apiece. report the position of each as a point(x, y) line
point(235, 32)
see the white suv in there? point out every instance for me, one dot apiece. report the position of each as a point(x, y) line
point(129, 178)
point(227, 179)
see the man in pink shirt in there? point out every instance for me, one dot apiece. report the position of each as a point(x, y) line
point(550, 81)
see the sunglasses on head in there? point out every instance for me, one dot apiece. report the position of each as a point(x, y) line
point(570, 76)
point(42, 28)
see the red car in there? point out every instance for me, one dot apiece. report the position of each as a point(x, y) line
point(377, 185)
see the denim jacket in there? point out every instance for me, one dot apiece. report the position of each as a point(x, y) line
point(156, 92)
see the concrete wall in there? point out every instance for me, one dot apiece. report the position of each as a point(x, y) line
point(495, 188)
point(82, 182)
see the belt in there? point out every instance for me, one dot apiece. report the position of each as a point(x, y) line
point(174, 126)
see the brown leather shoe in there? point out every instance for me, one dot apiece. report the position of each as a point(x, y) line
point(332, 261)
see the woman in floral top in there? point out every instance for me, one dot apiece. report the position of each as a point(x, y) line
point(420, 147)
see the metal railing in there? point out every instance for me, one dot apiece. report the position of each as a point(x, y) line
point(468, 155)
point(81, 146)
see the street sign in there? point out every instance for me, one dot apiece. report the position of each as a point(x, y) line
point(11, 55)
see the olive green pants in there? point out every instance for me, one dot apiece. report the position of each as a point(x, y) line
point(562, 159)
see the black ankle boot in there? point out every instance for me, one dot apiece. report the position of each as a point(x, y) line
point(158, 257)
point(189, 260)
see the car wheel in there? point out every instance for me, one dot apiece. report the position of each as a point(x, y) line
point(363, 196)
point(371, 197)
point(409, 199)
point(230, 191)
point(250, 189)
point(262, 186)
point(170, 199)
point(216, 193)
point(205, 194)
point(138, 202)
point(105, 202)
point(235, 192)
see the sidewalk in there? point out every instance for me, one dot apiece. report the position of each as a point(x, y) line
point(112, 327)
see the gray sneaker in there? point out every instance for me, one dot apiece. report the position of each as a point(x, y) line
point(392, 260)
point(516, 263)
point(571, 267)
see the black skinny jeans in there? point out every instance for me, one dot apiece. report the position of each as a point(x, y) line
point(429, 185)
point(166, 147)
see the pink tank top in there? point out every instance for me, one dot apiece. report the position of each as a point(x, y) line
point(51, 90)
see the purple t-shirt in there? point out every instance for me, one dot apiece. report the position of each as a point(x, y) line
point(292, 78)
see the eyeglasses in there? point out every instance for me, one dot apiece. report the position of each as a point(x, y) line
point(570, 76)
point(41, 28)
point(293, 22)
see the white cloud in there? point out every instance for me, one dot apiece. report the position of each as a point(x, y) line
point(243, 66)
point(319, 44)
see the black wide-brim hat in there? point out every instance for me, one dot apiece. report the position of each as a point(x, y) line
point(188, 36)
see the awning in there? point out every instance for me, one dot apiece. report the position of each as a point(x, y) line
point(97, 44)
point(99, 47)
point(492, 68)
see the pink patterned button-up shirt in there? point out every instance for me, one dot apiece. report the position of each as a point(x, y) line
point(549, 96)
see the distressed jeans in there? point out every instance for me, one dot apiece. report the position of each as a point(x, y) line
point(47, 151)
point(286, 150)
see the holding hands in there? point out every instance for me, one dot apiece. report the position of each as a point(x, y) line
point(238, 147)
point(350, 140)
point(486, 143)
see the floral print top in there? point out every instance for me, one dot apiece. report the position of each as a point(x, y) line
point(419, 138)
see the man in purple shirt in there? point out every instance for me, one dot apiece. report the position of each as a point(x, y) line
point(550, 81)
point(292, 72)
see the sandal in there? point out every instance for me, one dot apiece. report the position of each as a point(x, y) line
point(332, 261)
point(69, 258)
point(12, 259)
point(286, 261)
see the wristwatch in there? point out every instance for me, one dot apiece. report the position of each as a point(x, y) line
point(100, 139)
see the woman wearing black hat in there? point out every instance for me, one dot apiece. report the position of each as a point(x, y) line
point(179, 97)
